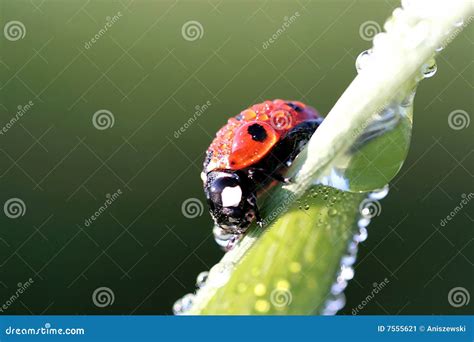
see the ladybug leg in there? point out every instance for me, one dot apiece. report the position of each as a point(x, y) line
point(258, 218)
point(279, 177)
point(276, 176)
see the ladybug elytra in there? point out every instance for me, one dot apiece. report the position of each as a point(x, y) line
point(250, 152)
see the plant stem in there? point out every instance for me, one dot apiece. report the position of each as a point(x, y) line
point(412, 36)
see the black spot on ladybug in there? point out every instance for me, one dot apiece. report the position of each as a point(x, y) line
point(295, 106)
point(257, 132)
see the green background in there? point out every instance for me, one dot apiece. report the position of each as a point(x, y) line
point(151, 79)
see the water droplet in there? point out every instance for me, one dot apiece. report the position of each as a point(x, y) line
point(262, 306)
point(459, 23)
point(352, 248)
point(177, 307)
point(380, 40)
point(187, 301)
point(361, 236)
point(220, 274)
point(429, 69)
point(306, 207)
point(347, 273)
point(183, 305)
point(201, 279)
point(348, 260)
point(335, 304)
point(379, 194)
point(332, 212)
point(338, 287)
point(260, 289)
point(221, 236)
point(363, 222)
point(362, 60)
point(283, 285)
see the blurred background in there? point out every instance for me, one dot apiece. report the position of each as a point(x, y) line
point(116, 102)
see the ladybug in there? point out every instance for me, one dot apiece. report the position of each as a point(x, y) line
point(249, 154)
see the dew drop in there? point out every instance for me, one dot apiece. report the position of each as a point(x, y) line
point(201, 279)
point(362, 60)
point(379, 194)
point(260, 289)
point(429, 69)
point(283, 285)
point(306, 207)
point(177, 307)
point(335, 304)
point(362, 236)
point(183, 305)
point(262, 306)
point(363, 222)
point(187, 301)
point(332, 212)
point(348, 260)
point(347, 272)
point(352, 249)
point(338, 287)
point(220, 274)
point(459, 23)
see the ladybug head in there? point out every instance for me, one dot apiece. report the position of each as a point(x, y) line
point(232, 201)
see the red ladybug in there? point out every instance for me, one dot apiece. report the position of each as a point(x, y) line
point(248, 153)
